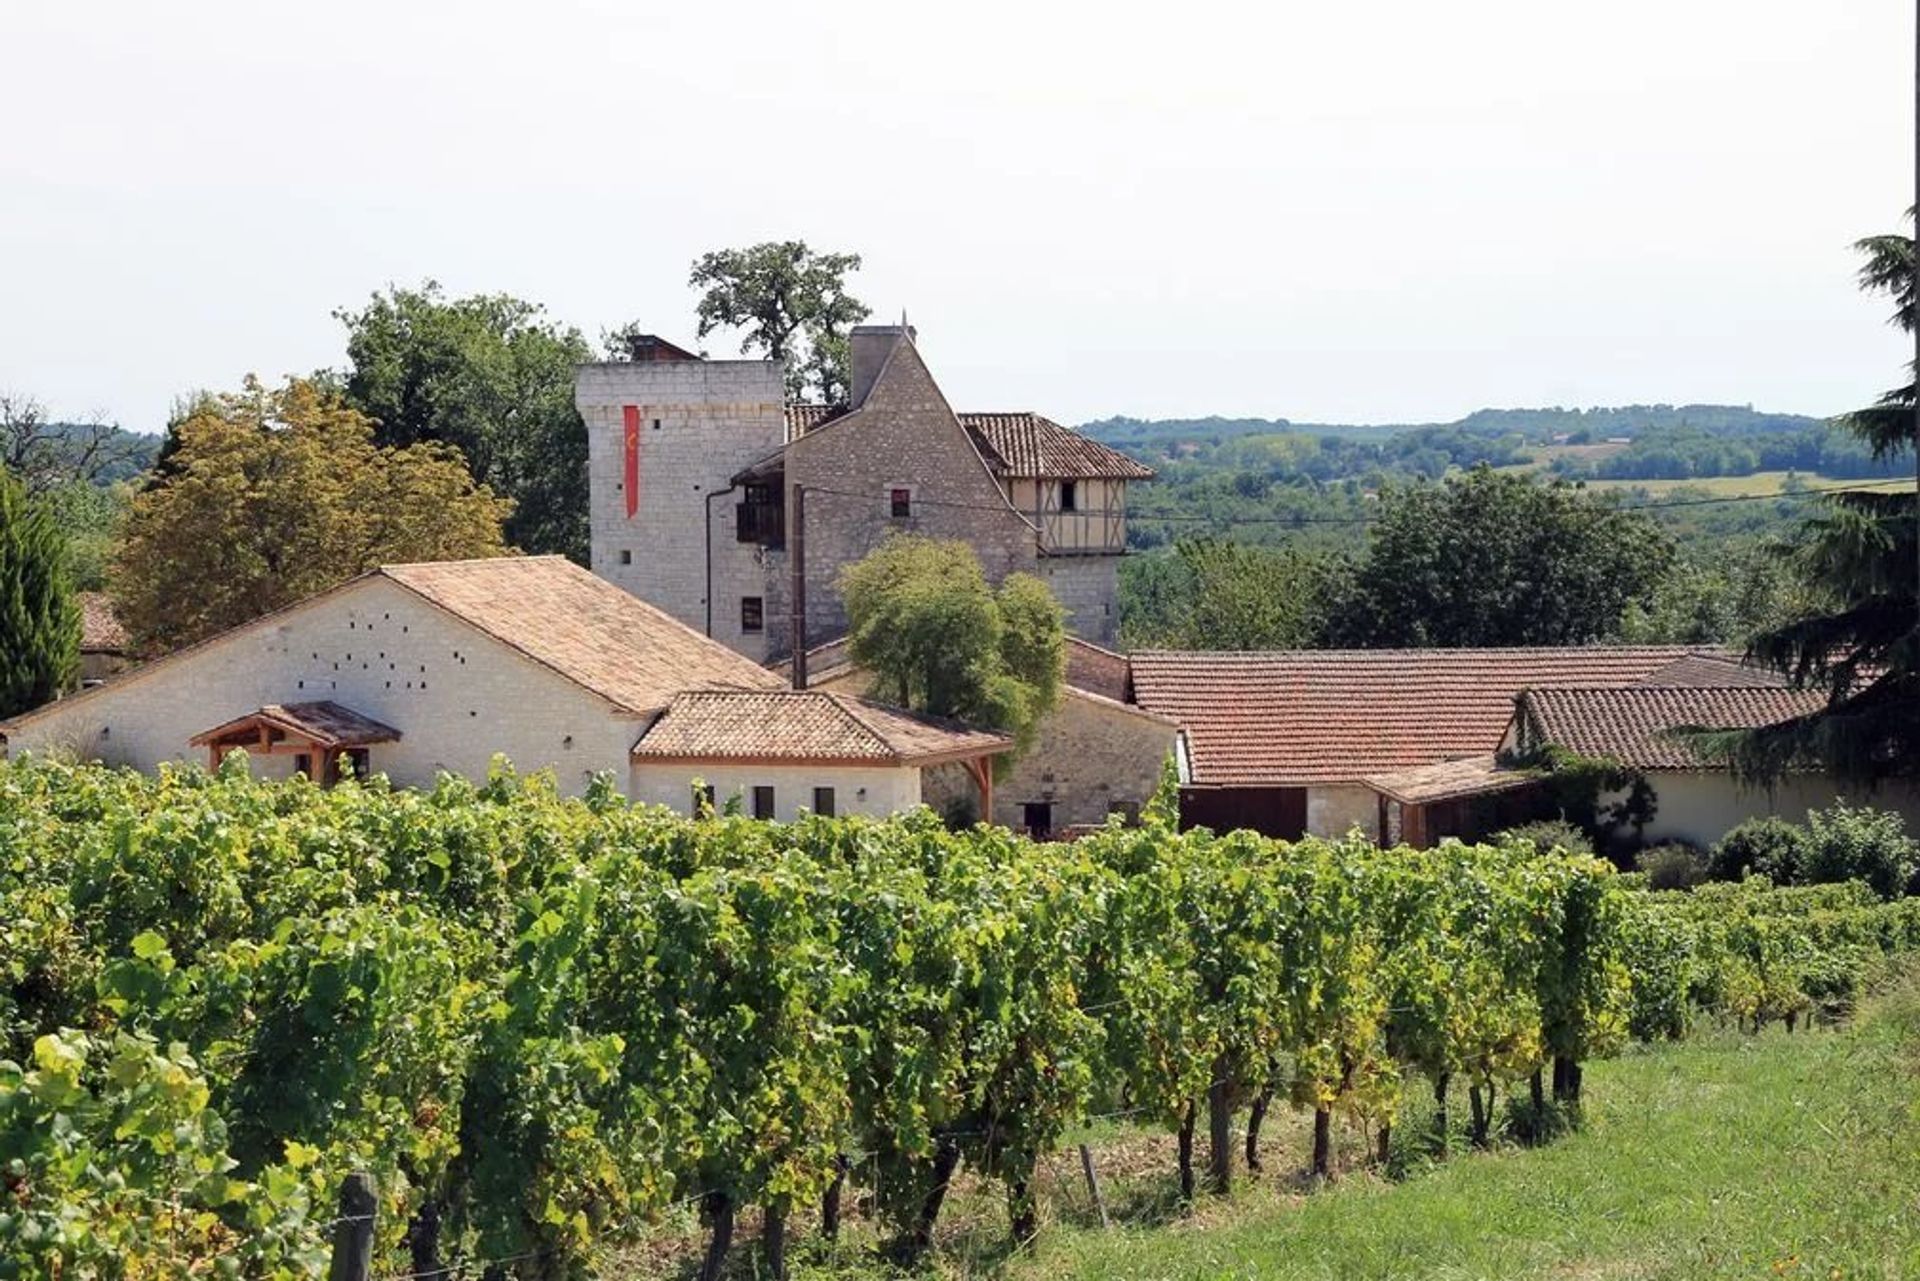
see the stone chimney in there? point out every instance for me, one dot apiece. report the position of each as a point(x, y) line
point(871, 345)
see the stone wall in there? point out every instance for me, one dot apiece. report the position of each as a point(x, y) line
point(871, 790)
point(1088, 587)
point(1335, 810)
point(700, 423)
point(903, 436)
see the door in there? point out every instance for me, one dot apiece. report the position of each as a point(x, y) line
point(1037, 816)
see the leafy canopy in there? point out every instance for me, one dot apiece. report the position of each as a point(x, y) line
point(1491, 559)
point(491, 376)
point(39, 619)
point(939, 640)
point(792, 304)
point(1858, 556)
point(278, 494)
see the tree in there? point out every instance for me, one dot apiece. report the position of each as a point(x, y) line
point(1216, 594)
point(792, 303)
point(489, 375)
point(39, 619)
point(278, 494)
point(1492, 558)
point(1858, 553)
point(43, 455)
point(939, 640)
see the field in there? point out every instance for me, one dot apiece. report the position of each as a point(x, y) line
point(1728, 1155)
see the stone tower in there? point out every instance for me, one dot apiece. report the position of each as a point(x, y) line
point(666, 432)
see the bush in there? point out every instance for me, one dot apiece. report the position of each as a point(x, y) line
point(1546, 836)
point(1772, 847)
point(1846, 843)
point(1674, 865)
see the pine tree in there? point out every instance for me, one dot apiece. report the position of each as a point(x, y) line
point(1862, 648)
point(39, 618)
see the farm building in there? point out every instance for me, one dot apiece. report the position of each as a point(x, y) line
point(415, 670)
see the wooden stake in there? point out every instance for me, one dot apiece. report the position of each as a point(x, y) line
point(1093, 1184)
point(353, 1231)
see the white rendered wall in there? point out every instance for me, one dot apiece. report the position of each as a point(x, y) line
point(870, 790)
point(456, 695)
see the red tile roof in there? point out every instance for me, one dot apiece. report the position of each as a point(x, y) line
point(1449, 780)
point(1695, 671)
point(1014, 444)
point(1632, 725)
point(806, 725)
point(1298, 717)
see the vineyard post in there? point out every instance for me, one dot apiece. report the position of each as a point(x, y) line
point(1093, 1184)
point(353, 1231)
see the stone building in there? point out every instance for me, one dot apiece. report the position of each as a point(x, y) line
point(412, 671)
point(697, 465)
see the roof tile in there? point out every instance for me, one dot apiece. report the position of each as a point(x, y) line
point(806, 725)
point(1632, 726)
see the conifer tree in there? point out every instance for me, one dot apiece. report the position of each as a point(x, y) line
point(39, 618)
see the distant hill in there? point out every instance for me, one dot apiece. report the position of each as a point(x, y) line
point(1534, 426)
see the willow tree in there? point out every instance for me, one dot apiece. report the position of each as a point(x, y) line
point(1861, 646)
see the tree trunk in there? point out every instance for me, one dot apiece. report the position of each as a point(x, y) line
point(1539, 1094)
point(1565, 1085)
point(946, 1159)
point(1574, 1078)
point(1322, 1144)
point(830, 1203)
point(1186, 1154)
point(1384, 1142)
point(1220, 1129)
point(1023, 1212)
point(423, 1240)
point(1440, 1084)
point(1479, 1102)
point(720, 1215)
point(773, 1240)
point(1258, 1114)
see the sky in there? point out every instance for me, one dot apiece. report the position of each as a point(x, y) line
point(1374, 211)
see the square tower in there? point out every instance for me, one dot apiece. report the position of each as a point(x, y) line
point(666, 432)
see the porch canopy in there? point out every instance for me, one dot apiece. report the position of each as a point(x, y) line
point(1463, 798)
point(319, 731)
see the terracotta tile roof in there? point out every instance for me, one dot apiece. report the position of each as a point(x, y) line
point(1298, 717)
point(324, 723)
point(593, 633)
point(1014, 444)
point(1096, 670)
point(1630, 725)
point(100, 629)
point(1705, 669)
point(806, 725)
point(1449, 780)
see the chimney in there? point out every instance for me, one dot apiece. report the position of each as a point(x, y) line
point(871, 345)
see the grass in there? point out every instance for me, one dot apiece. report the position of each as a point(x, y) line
point(1726, 1156)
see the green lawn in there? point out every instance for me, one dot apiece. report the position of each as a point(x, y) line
point(1726, 1157)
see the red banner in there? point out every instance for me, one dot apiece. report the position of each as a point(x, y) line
point(632, 415)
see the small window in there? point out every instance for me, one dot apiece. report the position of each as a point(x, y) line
point(763, 802)
point(703, 798)
point(823, 801)
point(626, 556)
point(1129, 811)
point(303, 763)
point(358, 763)
point(900, 502)
point(752, 615)
point(656, 424)
point(1069, 496)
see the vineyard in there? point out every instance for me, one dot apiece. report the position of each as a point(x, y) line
point(542, 1024)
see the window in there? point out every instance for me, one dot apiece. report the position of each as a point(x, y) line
point(1069, 496)
point(900, 502)
point(1037, 816)
point(626, 556)
point(357, 764)
point(1129, 811)
point(753, 615)
point(303, 763)
point(703, 797)
point(823, 801)
point(763, 802)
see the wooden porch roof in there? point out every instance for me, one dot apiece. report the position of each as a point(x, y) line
point(323, 724)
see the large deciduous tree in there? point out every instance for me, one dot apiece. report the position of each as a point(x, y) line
point(792, 305)
point(1491, 558)
point(278, 493)
point(491, 376)
point(1215, 594)
point(1859, 552)
point(39, 618)
point(938, 639)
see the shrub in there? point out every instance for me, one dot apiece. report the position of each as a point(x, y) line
point(1772, 847)
point(1848, 843)
point(1546, 836)
point(1673, 865)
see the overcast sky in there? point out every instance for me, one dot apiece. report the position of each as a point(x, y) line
point(1376, 212)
